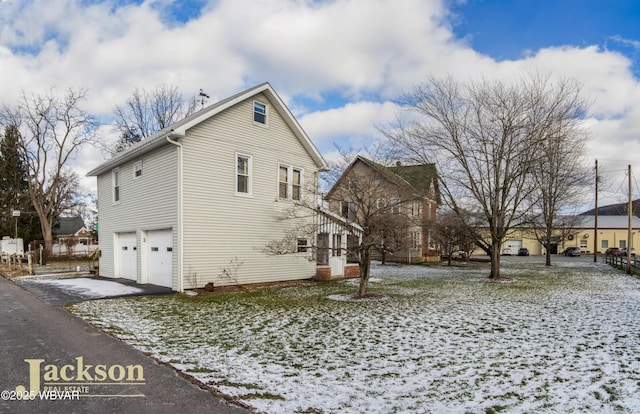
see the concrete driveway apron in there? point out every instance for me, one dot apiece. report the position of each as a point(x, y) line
point(79, 369)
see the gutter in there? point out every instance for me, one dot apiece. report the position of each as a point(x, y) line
point(175, 142)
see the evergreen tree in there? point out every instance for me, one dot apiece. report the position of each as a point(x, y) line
point(14, 192)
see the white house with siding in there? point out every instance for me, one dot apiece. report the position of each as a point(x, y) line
point(197, 202)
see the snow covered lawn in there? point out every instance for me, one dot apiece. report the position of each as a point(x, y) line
point(559, 339)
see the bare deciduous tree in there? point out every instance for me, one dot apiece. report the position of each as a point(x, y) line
point(559, 172)
point(452, 234)
point(51, 131)
point(485, 137)
point(146, 113)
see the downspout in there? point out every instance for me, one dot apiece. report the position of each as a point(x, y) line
point(180, 210)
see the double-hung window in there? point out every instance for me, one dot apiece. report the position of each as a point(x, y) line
point(289, 182)
point(259, 113)
point(115, 177)
point(243, 174)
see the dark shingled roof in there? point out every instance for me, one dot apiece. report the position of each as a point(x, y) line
point(68, 226)
point(419, 177)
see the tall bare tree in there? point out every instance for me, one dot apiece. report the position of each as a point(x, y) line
point(51, 130)
point(147, 112)
point(559, 172)
point(485, 137)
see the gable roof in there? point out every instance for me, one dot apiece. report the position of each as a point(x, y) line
point(179, 129)
point(68, 226)
point(414, 177)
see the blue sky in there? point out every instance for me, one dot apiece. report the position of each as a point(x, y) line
point(508, 29)
point(339, 65)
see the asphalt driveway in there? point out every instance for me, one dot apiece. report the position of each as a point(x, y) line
point(80, 369)
point(60, 291)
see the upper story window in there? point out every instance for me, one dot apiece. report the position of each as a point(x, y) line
point(395, 205)
point(348, 210)
point(296, 184)
point(289, 182)
point(243, 174)
point(283, 182)
point(137, 169)
point(115, 179)
point(259, 112)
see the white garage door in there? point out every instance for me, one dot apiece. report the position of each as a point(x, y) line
point(127, 255)
point(513, 246)
point(160, 257)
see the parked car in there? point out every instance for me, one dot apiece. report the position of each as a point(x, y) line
point(613, 251)
point(523, 251)
point(572, 251)
point(508, 251)
point(623, 252)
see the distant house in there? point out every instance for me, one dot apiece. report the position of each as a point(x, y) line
point(196, 202)
point(613, 231)
point(71, 237)
point(71, 228)
point(408, 190)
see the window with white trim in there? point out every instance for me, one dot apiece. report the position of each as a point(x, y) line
point(243, 174)
point(137, 169)
point(283, 182)
point(289, 182)
point(259, 112)
point(115, 180)
point(296, 184)
point(303, 245)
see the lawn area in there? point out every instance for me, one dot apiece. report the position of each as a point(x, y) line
point(548, 340)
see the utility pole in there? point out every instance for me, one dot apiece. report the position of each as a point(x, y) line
point(595, 230)
point(629, 227)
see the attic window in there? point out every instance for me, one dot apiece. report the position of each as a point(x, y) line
point(259, 112)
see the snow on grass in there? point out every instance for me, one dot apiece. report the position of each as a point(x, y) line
point(559, 339)
point(91, 288)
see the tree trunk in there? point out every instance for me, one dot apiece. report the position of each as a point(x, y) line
point(365, 268)
point(548, 256)
point(495, 260)
point(47, 233)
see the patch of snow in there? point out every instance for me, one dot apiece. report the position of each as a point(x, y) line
point(349, 297)
point(92, 288)
point(559, 339)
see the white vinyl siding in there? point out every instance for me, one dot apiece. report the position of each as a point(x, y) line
point(224, 234)
point(144, 204)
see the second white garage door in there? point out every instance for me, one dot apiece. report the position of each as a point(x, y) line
point(160, 254)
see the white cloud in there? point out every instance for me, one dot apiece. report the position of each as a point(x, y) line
point(367, 52)
point(353, 121)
